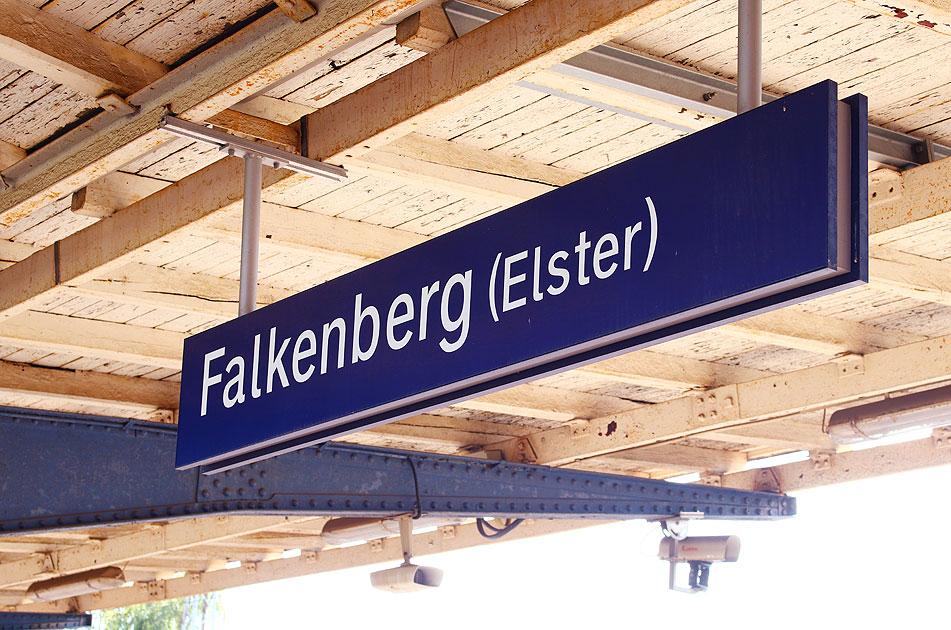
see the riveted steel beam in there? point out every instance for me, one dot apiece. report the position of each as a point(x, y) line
point(68, 471)
point(31, 621)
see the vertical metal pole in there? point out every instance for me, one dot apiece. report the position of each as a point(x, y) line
point(749, 76)
point(406, 539)
point(250, 235)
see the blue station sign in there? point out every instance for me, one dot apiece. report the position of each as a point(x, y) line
point(762, 210)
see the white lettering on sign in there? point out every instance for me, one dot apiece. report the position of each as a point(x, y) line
point(442, 310)
point(558, 271)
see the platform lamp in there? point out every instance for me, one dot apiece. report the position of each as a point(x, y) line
point(921, 410)
point(77, 584)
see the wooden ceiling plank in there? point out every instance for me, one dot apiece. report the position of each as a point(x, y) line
point(550, 403)
point(833, 335)
point(685, 458)
point(461, 73)
point(113, 192)
point(89, 337)
point(97, 388)
point(649, 368)
point(910, 275)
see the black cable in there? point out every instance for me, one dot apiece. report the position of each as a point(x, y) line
point(482, 524)
point(419, 502)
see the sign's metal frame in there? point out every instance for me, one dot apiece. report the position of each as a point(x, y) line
point(844, 195)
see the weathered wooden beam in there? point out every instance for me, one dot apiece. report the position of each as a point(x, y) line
point(113, 192)
point(685, 458)
point(780, 433)
point(246, 63)
point(795, 328)
point(922, 193)
point(90, 337)
point(648, 368)
point(909, 275)
point(308, 563)
point(297, 10)
point(10, 154)
point(95, 387)
point(427, 31)
point(723, 408)
point(750, 332)
point(146, 285)
point(319, 233)
point(109, 243)
point(550, 403)
point(286, 137)
point(12, 252)
point(463, 171)
point(530, 38)
point(147, 542)
point(834, 468)
point(39, 41)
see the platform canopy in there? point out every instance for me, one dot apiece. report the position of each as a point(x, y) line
point(118, 239)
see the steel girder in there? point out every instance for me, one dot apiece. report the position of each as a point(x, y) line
point(62, 471)
point(36, 621)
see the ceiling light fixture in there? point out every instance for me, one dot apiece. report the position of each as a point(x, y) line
point(77, 584)
point(922, 410)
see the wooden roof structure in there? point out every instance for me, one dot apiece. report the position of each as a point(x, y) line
point(119, 240)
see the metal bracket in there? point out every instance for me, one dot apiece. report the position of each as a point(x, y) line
point(850, 365)
point(115, 104)
point(925, 151)
point(941, 437)
point(821, 460)
point(699, 576)
point(242, 147)
point(716, 405)
point(526, 452)
point(766, 481)
point(676, 527)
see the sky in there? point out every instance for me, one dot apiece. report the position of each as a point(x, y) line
point(869, 554)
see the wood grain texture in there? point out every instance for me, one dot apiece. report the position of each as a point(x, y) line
point(41, 42)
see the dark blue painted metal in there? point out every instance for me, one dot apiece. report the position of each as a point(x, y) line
point(43, 621)
point(742, 208)
point(66, 471)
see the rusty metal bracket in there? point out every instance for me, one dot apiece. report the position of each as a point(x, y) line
point(821, 460)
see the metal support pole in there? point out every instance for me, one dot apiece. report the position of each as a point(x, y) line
point(750, 55)
point(250, 235)
point(406, 539)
